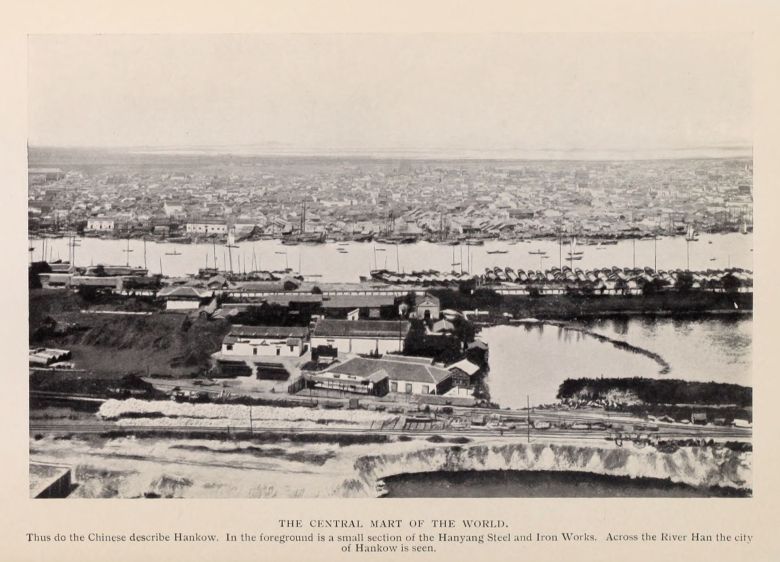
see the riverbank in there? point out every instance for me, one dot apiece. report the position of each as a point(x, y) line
point(553, 235)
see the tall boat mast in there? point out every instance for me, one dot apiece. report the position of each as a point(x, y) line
point(127, 251)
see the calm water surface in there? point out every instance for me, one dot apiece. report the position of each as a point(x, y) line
point(326, 261)
point(533, 359)
point(538, 484)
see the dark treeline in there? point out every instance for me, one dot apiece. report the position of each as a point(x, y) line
point(659, 391)
point(570, 306)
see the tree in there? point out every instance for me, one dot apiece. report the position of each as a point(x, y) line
point(34, 271)
point(731, 283)
point(570, 290)
point(468, 286)
point(652, 287)
point(88, 293)
point(684, 281)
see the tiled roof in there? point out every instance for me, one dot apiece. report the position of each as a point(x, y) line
point(270, 332)
point(362, 328)
point(396, 370)
point(466, 366)
point(183, 292)
point(357, 301)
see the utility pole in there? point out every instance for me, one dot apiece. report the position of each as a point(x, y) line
point(633, 244)
point(286, 264)
point(687, 255)
point(127, 251)
point(528, 416)
point(560, 252)
point(75, 245)
point(655, 253)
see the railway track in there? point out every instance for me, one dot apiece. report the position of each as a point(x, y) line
point(697, 432)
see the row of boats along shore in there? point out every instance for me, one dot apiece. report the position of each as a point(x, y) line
point(605, 280)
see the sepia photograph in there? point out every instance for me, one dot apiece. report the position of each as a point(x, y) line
point(390, 265)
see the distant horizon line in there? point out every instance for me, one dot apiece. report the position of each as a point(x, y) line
point(276, 149)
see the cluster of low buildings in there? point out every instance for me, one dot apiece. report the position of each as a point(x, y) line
point(333, 339)
point(354, 357)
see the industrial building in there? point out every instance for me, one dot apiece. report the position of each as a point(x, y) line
point(401, 374)
point(362, 336)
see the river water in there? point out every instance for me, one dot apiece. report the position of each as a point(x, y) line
point(325, 260)
point(534, 359)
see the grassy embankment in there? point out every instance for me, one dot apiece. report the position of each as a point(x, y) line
point(111, 346)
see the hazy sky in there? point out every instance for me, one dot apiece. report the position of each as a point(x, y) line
point(392, 92)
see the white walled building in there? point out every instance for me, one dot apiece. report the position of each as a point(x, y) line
point(105, 224)
point(361, 336)
point(207, 226)
point(401, 374)
point(266, 341)
point(184, 298)
point(173, 208)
